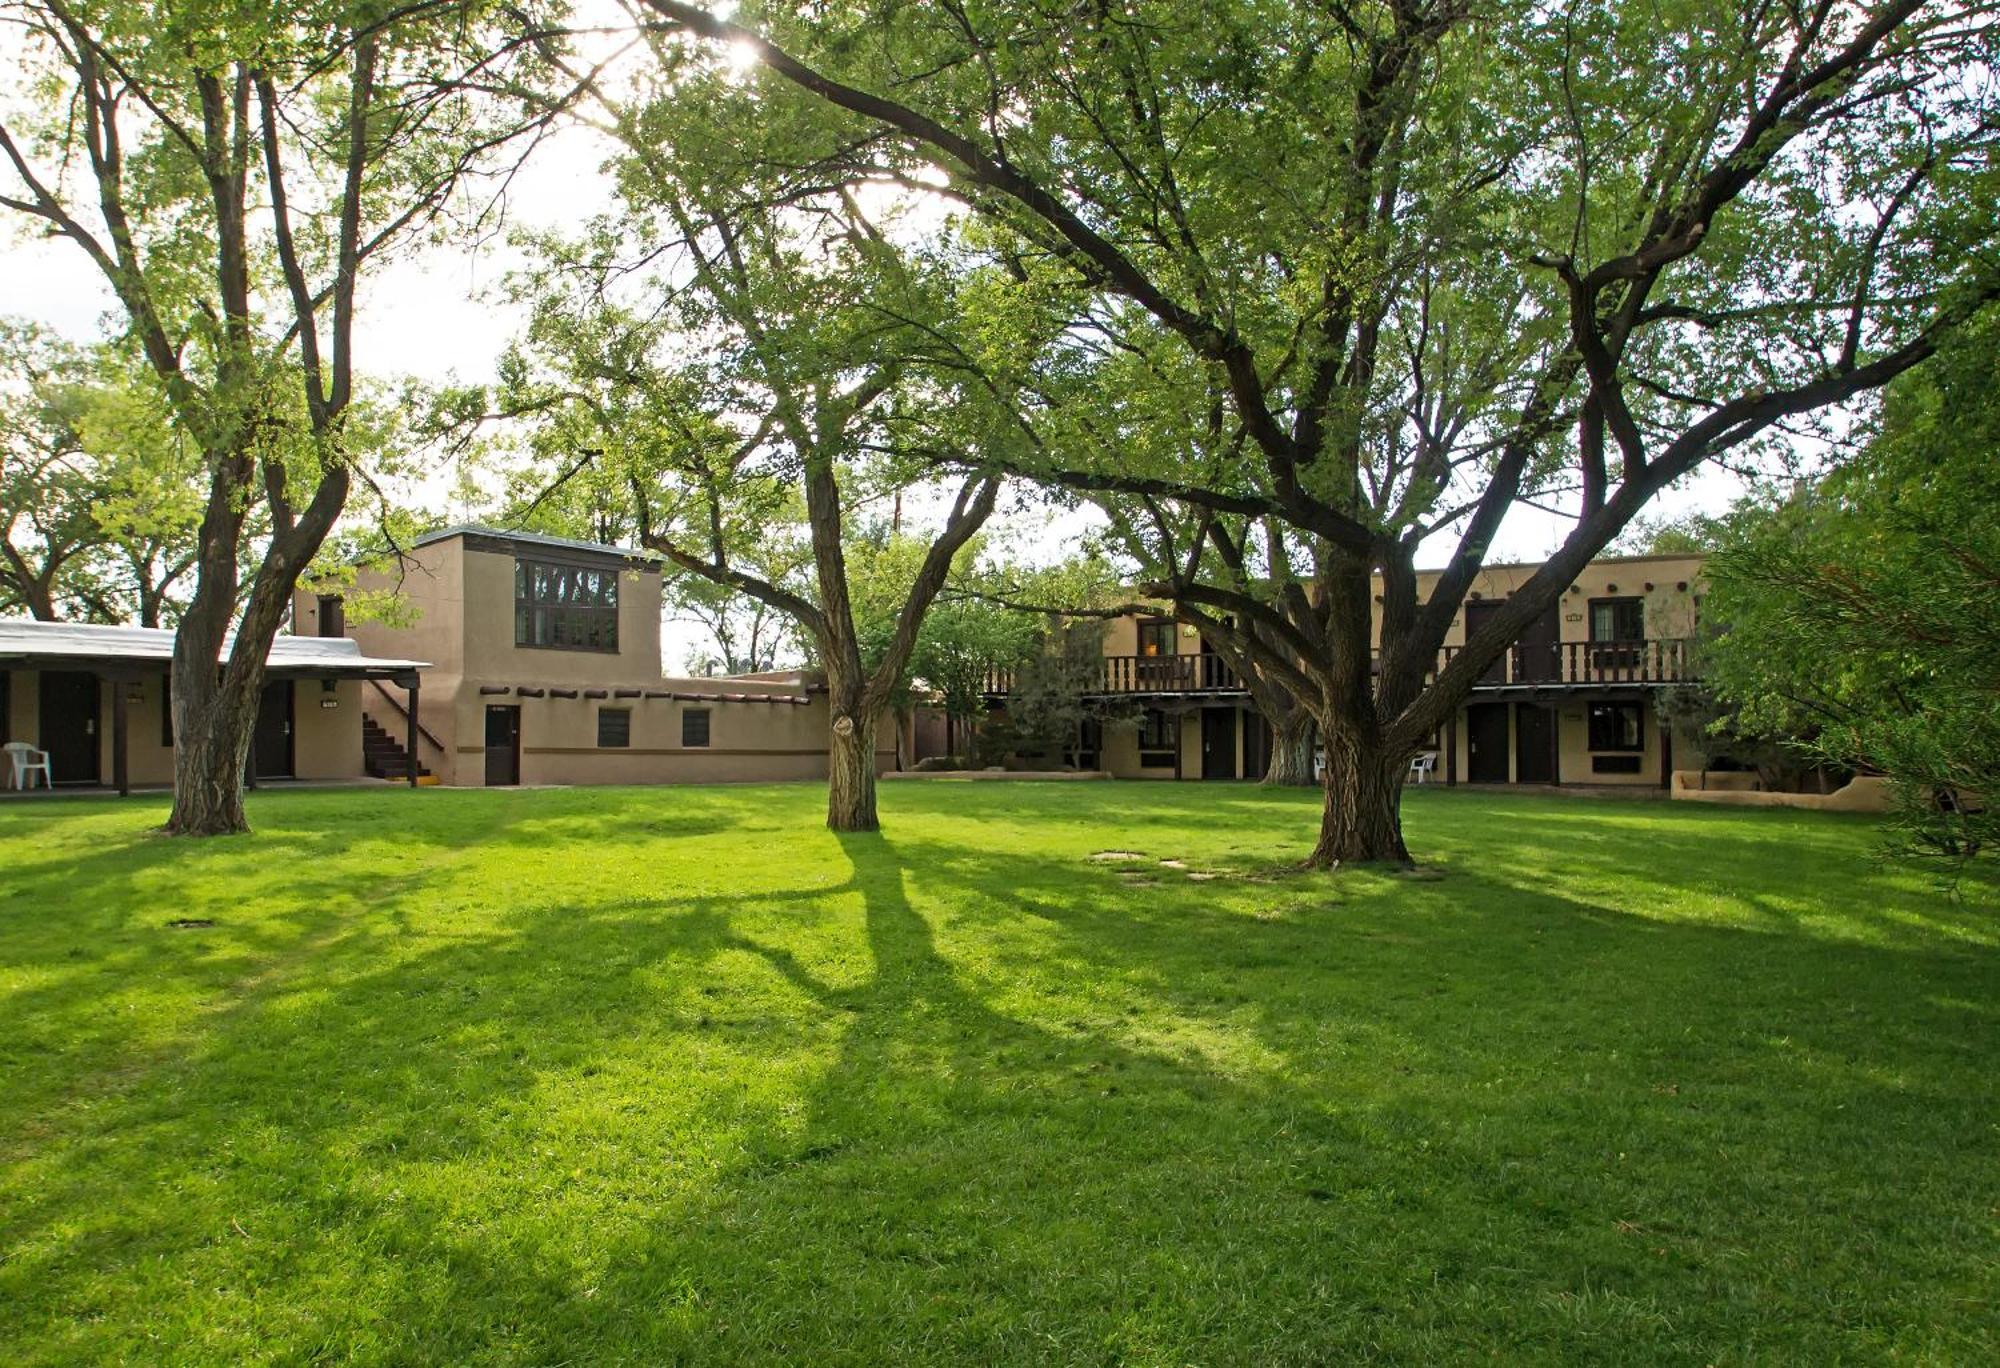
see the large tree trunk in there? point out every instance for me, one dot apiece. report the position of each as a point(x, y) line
point(1362, 820)
point(1292, 751)
point(211, 752)
point(850, 772)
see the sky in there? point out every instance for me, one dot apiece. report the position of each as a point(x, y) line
point(438, 315)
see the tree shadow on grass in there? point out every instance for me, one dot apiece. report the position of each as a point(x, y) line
point(945, 1103)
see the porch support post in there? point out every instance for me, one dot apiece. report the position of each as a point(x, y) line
point(120, 732)
point(1666, 749)
point(1451, 750)
point(411, 730)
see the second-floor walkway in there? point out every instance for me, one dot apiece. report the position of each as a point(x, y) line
point(1561, 665)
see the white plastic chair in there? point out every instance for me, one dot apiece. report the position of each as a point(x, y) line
point(1422, 767)
point(26, 762)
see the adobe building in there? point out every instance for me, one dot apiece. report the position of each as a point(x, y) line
point(1571, 702)
point(545, 669)
point(98, 700)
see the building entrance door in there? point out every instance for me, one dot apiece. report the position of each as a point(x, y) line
point(1486, 739)
point(503, 745)
point(1534, 744)
point(271, 741)
point(69, 708)
point(1218, 743)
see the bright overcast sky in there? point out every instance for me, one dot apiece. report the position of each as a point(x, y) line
point(438, 315)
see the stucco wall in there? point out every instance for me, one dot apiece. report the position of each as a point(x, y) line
point(326, 742)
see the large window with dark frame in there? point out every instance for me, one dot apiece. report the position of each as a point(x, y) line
point(1156, 739)
point(1616, 727)
point(565, 607)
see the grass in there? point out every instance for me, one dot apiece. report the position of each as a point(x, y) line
point(638, 1076)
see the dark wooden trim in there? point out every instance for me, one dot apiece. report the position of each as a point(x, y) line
point(121, 774)
point(494, 690)
point(390, 699)
point(521, 549)
point(522, 690)
point(626, 693)
point(597, 693)
point(410, 733)
point(562, 693)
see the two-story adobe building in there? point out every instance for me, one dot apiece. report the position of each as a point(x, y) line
point(545, 669)
point(1571, 702)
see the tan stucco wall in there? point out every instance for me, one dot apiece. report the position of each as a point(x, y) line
point(1573, 753)
point(1863, 793)
point(1668, 584)
point(326, 742)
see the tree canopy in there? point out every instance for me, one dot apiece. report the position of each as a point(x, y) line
point(1330, 282)
point(1858, 614)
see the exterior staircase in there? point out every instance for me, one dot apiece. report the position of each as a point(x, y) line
point(382, 755)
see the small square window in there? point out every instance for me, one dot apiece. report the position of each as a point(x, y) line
point(694, 727)
point(1616, 727)
point(614, 727)
point(1156, 739)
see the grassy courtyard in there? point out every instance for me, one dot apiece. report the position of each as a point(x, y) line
point(652, 1075)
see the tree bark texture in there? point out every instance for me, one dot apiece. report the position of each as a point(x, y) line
point(850, 773)
point(1292, 751)
point(1361, 821)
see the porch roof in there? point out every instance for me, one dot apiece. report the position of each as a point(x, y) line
point(27, 644)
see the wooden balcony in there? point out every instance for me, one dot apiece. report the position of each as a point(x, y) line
point(1131, 674)
point(1566, 664)
point(1576, 664)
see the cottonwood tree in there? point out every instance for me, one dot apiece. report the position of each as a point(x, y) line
point(1860, 614)
point(1435, 260)
point(760, 353)
point(97, 494)
point(231, 171)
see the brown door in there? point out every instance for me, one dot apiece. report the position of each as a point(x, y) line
point(1218, 743)
point(1256, 746)
point(1538, 650)
point(271, 741)
point(1475, 618)
point(503, 745)
point(69, 700)
point(1534, 744)
point(1486, 739)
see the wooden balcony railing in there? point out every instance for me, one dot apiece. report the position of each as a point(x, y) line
point(1666, 661)
point(1130, 674)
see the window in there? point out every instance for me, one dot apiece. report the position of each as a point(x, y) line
point(694, 727)
point(1156, 739)
point(1156, 637)
point(565, 607)
point(167, 711)
point(332, 615)
point(1615, 727)
point(1621, 620)
point(614, 727)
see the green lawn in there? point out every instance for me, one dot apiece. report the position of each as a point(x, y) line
point(673, 1074)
